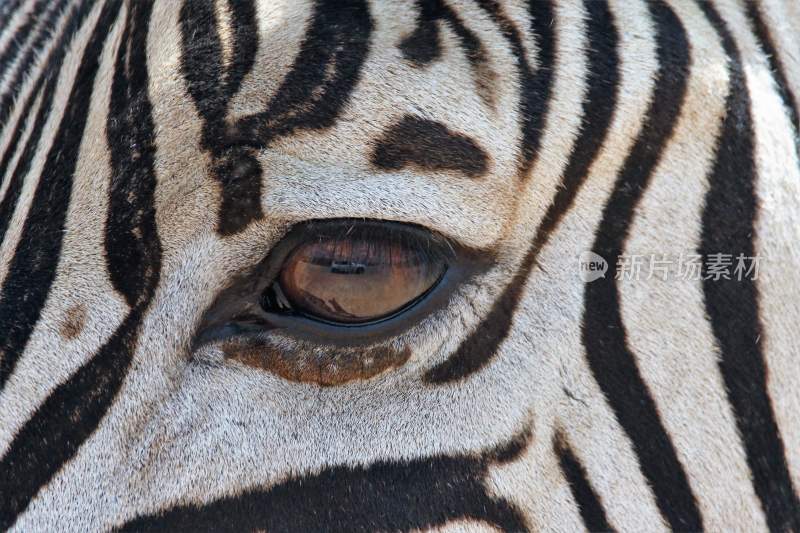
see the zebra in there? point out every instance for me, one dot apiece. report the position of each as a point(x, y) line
point(361, 265)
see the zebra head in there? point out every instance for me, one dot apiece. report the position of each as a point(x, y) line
point(322, 265)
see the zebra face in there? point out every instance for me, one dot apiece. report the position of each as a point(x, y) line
point(315, 265)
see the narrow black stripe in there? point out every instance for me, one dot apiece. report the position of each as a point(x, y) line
point(732, 306)
point(597, 112)
point(21, 33)
point(211, 85)
point(28, 61)
point(423, 45)
point(23, 121)
point(202, 65)
point(7, 10)
point(32, 269)
point(313, 93)
point(776, 65)
point(535, 88)
point(74, 410)
point(610, 359)
point(598, 107)
point(589, 504)
point(409, 495)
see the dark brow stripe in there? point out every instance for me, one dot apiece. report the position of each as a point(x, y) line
point(32, 269)
point(598, 107)
point(72, 413)
point(604, 337)
point(48, 439)
point(589, 503)
point(411, 495)
point(535, 88)
point(732, 306)
point(428, 145)
point(28, 61)
point(776, 65)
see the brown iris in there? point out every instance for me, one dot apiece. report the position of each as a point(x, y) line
point(357, 280)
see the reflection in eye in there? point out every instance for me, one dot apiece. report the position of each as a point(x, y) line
point(356, 280)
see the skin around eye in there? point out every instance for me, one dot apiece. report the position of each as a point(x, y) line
point(357, 280)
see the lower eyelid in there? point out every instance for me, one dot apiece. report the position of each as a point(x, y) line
point(328, 367)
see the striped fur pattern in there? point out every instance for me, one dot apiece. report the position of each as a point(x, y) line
point(152, 152)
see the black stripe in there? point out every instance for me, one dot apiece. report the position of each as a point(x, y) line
point(597, 112)
point(611, 361)
point(423, 45)
point(23, 121)
point(598, 107)
point(732, 306)
point(322, 78)
point(428, 145)
point(21, 33)
point(312, 95)
point(32, 269)
point(33, 456)
point(73, 411)
point(535, 89)
point(7, 10)
point(776, 65)
point(385, 496)
point(589, 504)
point(48, 78)
point(28, 61)
point(212, 85)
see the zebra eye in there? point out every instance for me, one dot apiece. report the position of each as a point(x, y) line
point(352, 280)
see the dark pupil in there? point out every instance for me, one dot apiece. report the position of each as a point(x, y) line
point(356, 280)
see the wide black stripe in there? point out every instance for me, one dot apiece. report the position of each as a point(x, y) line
point(728, 220)
point(32, 269)
point(589, 503)
point(598, 107)
point(776, 65)
point(27, 62)
point(610, 359)
point(385, 496)
point(74, 410)
point(535, 88)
